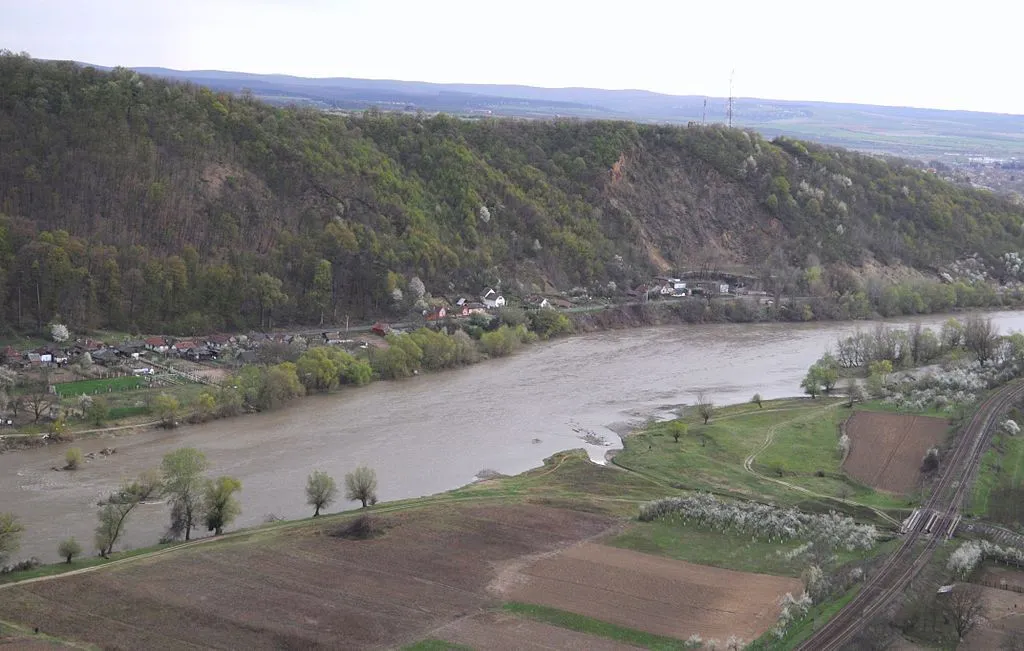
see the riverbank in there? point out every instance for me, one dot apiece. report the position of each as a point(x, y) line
point(435, 432)
point(689, 312)
point(584, 506)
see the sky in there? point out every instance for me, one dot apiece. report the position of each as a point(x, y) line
point(895, 52)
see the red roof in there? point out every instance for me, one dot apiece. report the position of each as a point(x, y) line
point(184, 345)
point(156, 341)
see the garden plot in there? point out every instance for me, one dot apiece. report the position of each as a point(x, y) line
point(651, 593)
point(886, 450)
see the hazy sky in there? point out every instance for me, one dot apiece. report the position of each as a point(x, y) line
point(964, 55)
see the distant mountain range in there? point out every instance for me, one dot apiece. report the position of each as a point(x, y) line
point(913, 132)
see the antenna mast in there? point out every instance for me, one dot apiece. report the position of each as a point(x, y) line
point(731, 75)
point(704, 116)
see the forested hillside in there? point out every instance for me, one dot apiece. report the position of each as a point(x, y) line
point(137, 203)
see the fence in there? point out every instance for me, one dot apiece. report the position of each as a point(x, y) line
point(1001, 585)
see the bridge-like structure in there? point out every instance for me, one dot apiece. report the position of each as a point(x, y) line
point(931, 522)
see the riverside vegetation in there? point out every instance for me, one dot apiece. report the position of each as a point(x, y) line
point(143, 205)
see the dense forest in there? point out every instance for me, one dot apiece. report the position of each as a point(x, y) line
point(143, 204)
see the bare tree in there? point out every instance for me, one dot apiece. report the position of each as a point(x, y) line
point(705, 407)
point(361, 485)
point(981, 337)
point(37, 400)
point(854, 392)
point(963, 606)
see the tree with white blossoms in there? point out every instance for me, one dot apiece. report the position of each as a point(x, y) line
point(843, 446)
point(968, 555)
point(1011, 427)
point(763, 521)
point(59, 332)
point(793, 610)
point(417, 288)
point(485, 214)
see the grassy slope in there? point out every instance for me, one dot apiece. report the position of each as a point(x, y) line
point(804, 436)
point(1001, 475)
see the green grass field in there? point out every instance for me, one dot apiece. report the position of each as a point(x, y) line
point(435, 645)
point(591, 626)
point(107, 385)
point(999, 487)
point(795, 442)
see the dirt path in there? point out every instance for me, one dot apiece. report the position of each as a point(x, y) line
point(748, 464)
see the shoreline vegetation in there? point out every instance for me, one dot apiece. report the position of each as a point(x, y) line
point(293, 371)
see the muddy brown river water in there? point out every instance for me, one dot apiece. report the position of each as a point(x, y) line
point(434, 432)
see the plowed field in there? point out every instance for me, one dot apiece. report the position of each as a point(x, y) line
point(502, 632)
point(651, 593)
point(302, 588)
point(886, 450)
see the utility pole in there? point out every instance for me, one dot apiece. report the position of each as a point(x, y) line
point(731, 75)
point(704, 116)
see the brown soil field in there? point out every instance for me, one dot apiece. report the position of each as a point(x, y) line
point(504, 632)
point(1002, 616)
point(886, 450)
point(301, 587)
point(650, 593)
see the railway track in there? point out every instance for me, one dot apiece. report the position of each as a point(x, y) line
point(911, 556)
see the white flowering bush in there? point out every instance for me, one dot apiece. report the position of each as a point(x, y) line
point(763, 521)
point(1013, 264)
point(969, 555)
point(1011, 427)
point(843, 446)
point(949, 388)
point(805, 189)
point(59, 332)
point(842, 180)
point(793, 610)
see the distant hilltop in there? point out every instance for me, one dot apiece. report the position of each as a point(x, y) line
point(913, 132)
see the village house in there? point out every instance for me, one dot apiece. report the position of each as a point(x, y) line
point(381, 328)
point(157, 345)
point(559, 302)
point(493, 299)
point(436, 314)
point(538, 302)
point(105, 357)
point(181, 347)
point(218, 342)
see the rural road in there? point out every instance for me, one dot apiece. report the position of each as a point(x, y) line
point(899, 569)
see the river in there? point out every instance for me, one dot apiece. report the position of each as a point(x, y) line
point(434, 432)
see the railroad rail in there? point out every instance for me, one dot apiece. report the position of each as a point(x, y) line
point(936, 520)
